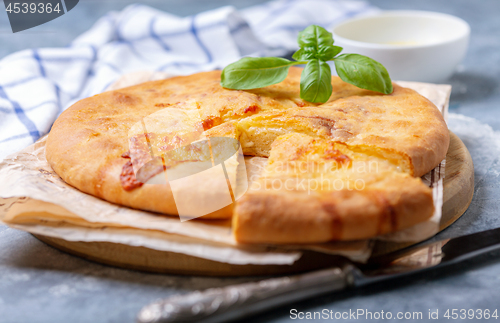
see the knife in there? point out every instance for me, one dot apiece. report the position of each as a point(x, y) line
point(236, 301)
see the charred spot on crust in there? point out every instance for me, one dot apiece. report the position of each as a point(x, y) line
point(126, 154)
point(251, 109)
point(299, 152)
point(162, 105)
point(150, 136)
point(210, 122)
point(127, 177)
point(329, 124)
point(127, 99)
point(165, 104)
point(337, 156)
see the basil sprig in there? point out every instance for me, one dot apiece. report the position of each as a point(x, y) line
point(316, 48)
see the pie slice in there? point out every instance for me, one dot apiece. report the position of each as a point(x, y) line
point(318, 190)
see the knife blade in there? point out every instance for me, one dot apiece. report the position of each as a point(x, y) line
point(236, 301)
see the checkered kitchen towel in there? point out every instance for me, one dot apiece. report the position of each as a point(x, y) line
point(36, 85)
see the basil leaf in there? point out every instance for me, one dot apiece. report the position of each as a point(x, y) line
point(324, 53)
point(304, 54)
point(316, 82)
point(328, 52)
point(255, 72)
point(363, 72)
point(316, 37)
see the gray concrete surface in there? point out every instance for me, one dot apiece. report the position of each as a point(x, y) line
point(41, 284)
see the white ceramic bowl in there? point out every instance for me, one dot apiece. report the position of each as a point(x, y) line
point(413, 45)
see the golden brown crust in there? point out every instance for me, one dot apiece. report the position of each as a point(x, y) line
point(279, 217)
point(86, 143)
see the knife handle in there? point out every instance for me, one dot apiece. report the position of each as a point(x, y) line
point(231, 302)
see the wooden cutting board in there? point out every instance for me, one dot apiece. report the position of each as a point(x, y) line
point(458, 191)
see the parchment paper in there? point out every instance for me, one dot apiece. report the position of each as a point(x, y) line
point(56, 209)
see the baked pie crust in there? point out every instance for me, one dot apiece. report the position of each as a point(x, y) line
point(351, 165)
